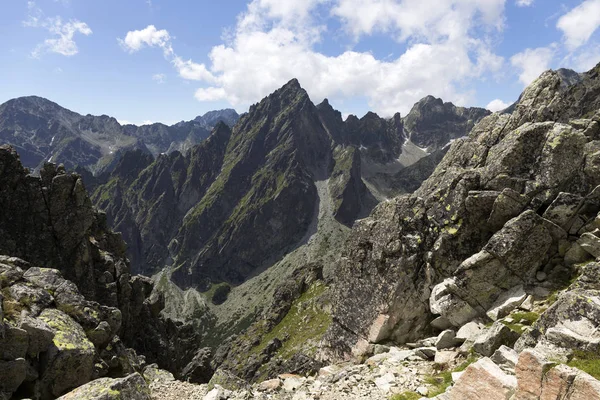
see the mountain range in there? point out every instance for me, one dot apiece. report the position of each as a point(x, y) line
point(43, 131)
point(289, 240)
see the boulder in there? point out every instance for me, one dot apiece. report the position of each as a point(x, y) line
point(506, 358)
point(497, 335)
point(70, 357)
point(530, 371)
point(40, 335)
point(590, 243)
point(483, 378)
point(444, 301)
point(269, 385)
point(132, 387)
point(13, 373)
point(225, 379)
point(153, 373)
point(571, 322)
point(470, 331)
point(507, 302)
point(445, 357)
point(14, 344)
point(446, 340)
point(585, 387)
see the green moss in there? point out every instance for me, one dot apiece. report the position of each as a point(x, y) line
point(530, 317)
point(406, 396)
point(588, 362)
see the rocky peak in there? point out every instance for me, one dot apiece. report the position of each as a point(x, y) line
point(431, 123)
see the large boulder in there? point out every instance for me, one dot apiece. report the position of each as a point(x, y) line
point(132, 387)
point(571, 322)
point(483, 378)
point(493, 338)
point(70, 358)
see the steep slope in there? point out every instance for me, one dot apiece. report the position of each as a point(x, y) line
point(147, 199)
point(44, 131)
point(510, 200)
point(49, 222)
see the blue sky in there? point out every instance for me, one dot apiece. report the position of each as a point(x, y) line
point(167, 60)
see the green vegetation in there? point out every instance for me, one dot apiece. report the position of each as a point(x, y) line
point(439, 383)
point(305, 321)
point(587, 362)
point(406, 396)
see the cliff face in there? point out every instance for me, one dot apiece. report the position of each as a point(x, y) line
point(510, 200)
point(66, 289)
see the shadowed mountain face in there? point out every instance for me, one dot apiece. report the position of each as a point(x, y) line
point(43, 131)
point(235, 204)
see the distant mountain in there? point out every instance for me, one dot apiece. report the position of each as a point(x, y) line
point(247, 196)
point(43, 131)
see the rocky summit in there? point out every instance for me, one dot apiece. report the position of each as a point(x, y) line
point(289, 253)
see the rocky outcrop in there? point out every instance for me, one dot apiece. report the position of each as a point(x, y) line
point(131, 387)
point(432, 124)
point(54, 339)
point(62, 256)
point(507, 206)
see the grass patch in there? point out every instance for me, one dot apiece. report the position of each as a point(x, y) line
point(530, 317)
point(439, 383)
point(587, 362)
point(406, 396)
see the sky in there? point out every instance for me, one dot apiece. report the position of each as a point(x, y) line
point(145, 61)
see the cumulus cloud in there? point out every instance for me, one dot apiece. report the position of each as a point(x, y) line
point(63, 33)
point(532, 62)
point(431, 19)
point(580, 23)
point(136, 40)
point(274, 41)
point(497, 105)
point(524, 3)
point(149, 36)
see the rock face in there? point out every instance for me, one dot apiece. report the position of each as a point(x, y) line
point(67, 291)
point(49, 348)
point(509, 201)
point(432, 124)
point(42, 131)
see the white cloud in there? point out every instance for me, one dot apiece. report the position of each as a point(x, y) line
point(149, 36)
point(580, 23)
point(447, 44)
point(497, 105)
point(63, 32)
point(192, 71)
point(524, 3)
point(432, 19)
point(532, 62)
point(159, 78)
